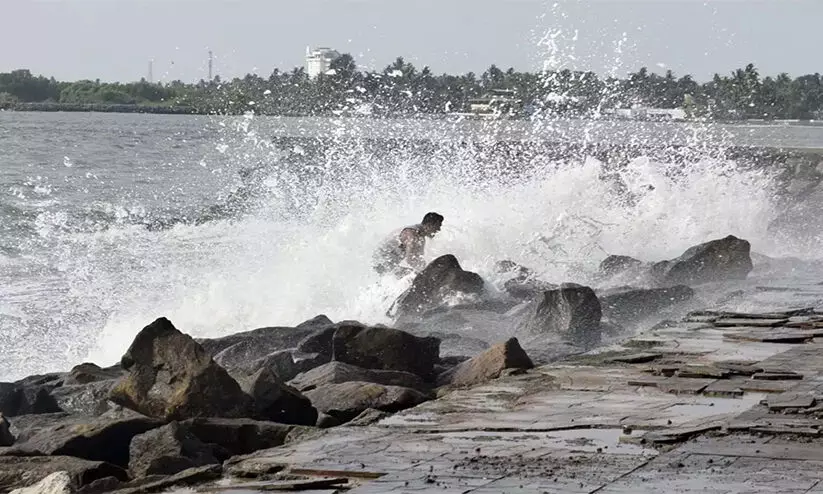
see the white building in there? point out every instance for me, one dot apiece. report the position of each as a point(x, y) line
point(318, 61)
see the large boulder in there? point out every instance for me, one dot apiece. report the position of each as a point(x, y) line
point(386, 349)
point(87, 373)
point(626, 304)
point(171, 377)
point(728, 258)
point(571, 312)
point(276, 401)
point(340, 372)
point(23, 471)
point(346, 401)
point(488, 365)
point(6, 437)
point(260, 342)
point(168, 450)
point(30, 395)
point(280, 363)
point(89, 399)
point(431, 288)
point(240, 436)
point(90, 438)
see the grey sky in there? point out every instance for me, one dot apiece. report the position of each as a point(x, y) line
point(114, 39)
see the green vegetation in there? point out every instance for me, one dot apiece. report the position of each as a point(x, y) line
point(403, 89)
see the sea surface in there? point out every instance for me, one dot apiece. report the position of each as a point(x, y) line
point(108, 221)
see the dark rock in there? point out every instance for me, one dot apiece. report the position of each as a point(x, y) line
point(326, 421)
point(168, 450)
point(106, 484)
point(240, 436)
point(90, 438)
point(280, 363)
point(626, 304)
point(386, 349)
point(30, 395)
point(368, 417)
point(258, 342)
point(346, 401)
point(440, 279)
point(87, 373)
point(488, 365)
point(527, 289)
point(24, 426)
point(6, 437)
point(276, 401)
point(718, 260)
point(320, 342)
point(157, 483)
point(9, 399)
point(171, 377)
point(23, 471)
point(614, 265)
point(90, 399)
point(316, 323)
point(572, 312)
point(53, 379)
point(340, 372)
point(263, 341)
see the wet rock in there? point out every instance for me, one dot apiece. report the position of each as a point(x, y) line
point(23, 471)
point(6, 437)
point(627, 304)
point(87, 373)
point(56, 483)
point(276, 401)
point(443, 277)
point(527, 289)
point(728, 258)
point(257, 343)
point(168, 450)
point(386, 349)
point(340, 372)
point(90, 399)
point(614, 265)
point(90, 438)
point(240, 436)
point(171, 377)
point(573, 312)
point(29, 395)
point(280, 363)
point(488, 365)
point(346, 401)
point(319, 342)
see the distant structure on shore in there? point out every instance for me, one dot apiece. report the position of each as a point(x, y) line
point(318, 61)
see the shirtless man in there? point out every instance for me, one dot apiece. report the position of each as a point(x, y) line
point(406, 245)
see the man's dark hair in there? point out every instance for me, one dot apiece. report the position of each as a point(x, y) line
point(432, 219)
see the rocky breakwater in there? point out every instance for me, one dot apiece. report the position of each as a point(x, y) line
point(175, 410)
point(553, 320)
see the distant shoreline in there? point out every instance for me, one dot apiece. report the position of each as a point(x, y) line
point(101, 108)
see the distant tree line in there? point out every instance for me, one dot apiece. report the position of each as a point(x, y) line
point(403, 89)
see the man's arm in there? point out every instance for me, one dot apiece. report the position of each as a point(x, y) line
point(414, 245)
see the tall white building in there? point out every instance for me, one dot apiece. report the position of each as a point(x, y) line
point(318, 61)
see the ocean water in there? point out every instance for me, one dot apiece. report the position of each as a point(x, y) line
point(109, 221)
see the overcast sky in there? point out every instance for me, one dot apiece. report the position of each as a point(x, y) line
point(114, 39)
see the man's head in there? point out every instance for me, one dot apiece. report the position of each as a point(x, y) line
point(431, 223)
